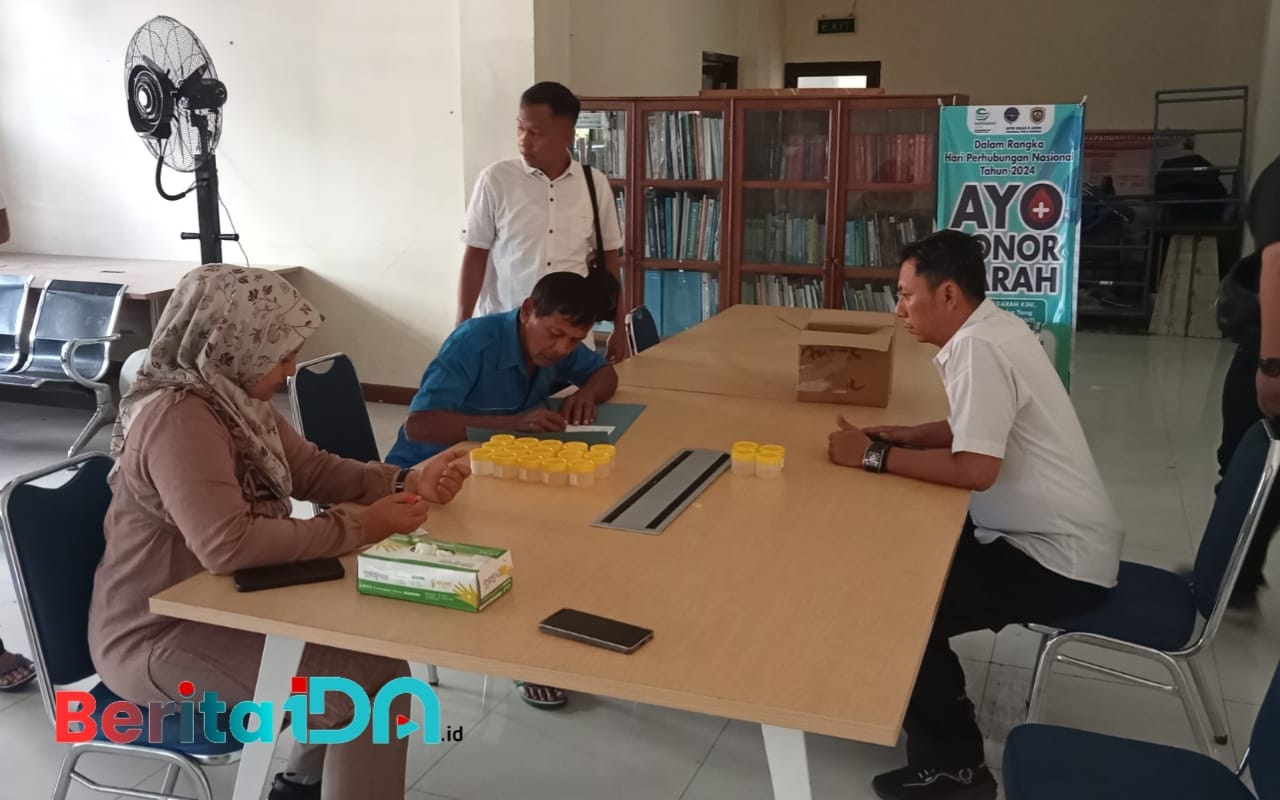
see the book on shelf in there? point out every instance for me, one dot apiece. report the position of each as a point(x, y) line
point(619, 203)
point(782, 290)
point(685, 146)
point(781, 156)
point(683, 226)
point(883, 298)
point(891, 158)
point(601, 141)
point(877, 240)
point(784, 239)
point(679, 299)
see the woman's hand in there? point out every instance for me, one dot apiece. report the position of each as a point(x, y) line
point(440, 478)
point(395, 513)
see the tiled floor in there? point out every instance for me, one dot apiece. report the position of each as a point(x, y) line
point(1150, 409)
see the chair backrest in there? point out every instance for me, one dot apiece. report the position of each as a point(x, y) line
point(1264, 745)
point(54, 540)
point(13, 309)
point(642, 331)
point(329, 408)
point(74, 310)
point(1244, 505)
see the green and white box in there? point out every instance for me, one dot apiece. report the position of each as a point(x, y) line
point(416, 567)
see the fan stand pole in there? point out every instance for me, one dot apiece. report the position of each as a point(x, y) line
point(207, 211)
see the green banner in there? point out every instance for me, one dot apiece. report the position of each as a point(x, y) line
point(1010, 175)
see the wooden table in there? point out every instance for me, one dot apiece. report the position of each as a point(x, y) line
point(152, 281)
point(825, 581)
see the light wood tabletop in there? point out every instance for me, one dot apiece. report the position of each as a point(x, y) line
point(145, 280)
point(802, 602)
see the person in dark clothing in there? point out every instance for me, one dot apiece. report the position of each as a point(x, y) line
point(1252, 385)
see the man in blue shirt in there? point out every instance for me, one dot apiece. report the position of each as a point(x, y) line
point(497, 371)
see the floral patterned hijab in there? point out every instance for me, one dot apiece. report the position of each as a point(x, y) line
point(223, 330)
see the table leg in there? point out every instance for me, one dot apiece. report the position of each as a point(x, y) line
point(156, 305)
point(788, 764)
point(280, 658)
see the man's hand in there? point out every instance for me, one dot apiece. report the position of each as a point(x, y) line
point(395, 513)
point(894, 434)
point(579, 408)
point(617, 349)
point(540, 420)
point(440, 478)
point(848, 445)
point(1268, 395)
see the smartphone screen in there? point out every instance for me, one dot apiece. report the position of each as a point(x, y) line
point(596, 630)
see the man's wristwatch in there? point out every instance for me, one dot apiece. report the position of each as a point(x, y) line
point(401, 478)
point(876, 459)
point(1269, 367)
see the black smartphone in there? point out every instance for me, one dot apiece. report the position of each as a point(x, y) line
point(294, 573)
point(599, 631)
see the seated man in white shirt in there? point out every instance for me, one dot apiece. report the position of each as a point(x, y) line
point(1041, 541)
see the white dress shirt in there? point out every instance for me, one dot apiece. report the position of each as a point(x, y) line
point(532, 225)
point(1008, 402)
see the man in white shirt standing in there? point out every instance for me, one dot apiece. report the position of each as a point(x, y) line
point(1042, 540)
point(533, 215)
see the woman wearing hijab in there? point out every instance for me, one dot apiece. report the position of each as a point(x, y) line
point(204, 476)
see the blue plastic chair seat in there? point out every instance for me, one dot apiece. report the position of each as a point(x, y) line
point(1046, 762)
point(171, 728)
point(1148, 606)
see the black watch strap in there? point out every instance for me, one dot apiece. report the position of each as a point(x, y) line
point(876, 459)
point(401, 477)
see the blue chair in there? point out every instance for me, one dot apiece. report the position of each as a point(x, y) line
point(642, 331)
point(329, 408)
point(53, 538)
point(329, 411)
point(13, 312)
point(1046, 762)
point(1161, 615)
point(71, 336)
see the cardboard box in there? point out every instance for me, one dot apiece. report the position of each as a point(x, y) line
point(847, 357)
point(425, 570)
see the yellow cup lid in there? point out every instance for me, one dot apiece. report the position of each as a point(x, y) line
point(582, 466)
point(530, 462)
point(555, 464)
point(745, 455)
point(601, 459)
point(505, 459)
point(502, 437)
point(519, 447)
point(769, 459)
point(744, 445)
point(603, 448)
point(572, 446)
point(556, 443)
point(481, 454)
point(772, 448)
point(529, 440)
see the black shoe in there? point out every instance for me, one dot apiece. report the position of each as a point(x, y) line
point(970, 783)
point(284, 789)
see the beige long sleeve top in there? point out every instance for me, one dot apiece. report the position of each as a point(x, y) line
point(178, 509)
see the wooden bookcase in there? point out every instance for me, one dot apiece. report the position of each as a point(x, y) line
point(747, 215)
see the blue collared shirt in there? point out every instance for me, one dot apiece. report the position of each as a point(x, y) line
point(480, 370)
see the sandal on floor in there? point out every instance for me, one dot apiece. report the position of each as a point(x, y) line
point(543, 697)
point(15, 671)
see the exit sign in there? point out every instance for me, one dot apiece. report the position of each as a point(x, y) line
point(839, 25)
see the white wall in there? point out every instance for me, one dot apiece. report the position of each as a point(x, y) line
point(497, 66)
point(342, 150)
point(627, 47)
point(1023, 51)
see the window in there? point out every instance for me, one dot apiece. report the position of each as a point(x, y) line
point(833, 75)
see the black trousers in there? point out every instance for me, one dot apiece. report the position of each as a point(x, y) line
point(989, 586)
point(1239, 412)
